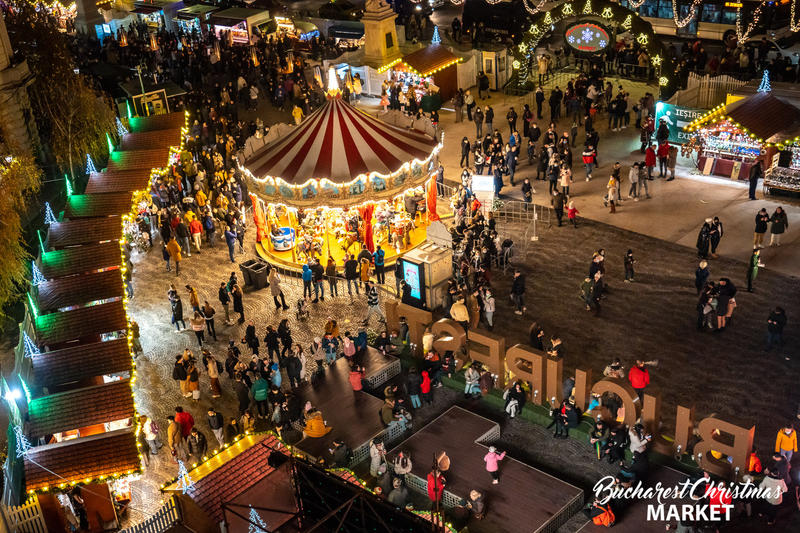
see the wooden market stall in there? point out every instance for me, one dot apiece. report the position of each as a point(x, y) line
point(433, 64)
point(734, 136)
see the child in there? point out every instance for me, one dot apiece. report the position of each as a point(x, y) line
point(491, 459)
point(629, 261)
point(302, 312)
point(572, 214)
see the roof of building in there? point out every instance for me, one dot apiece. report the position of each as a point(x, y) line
point(765, 115)
point(79, 260)
point(76, 460)
point(97, 205)
point(150, 140)
point(80, 362)
point(429, 59)
point(138, 159)
point(166, 121)
point(339, 142)
point(118, 181)
point(78, 290)
point(84, 323)
point(82, 231)
point(79, 408)
point(234, 477)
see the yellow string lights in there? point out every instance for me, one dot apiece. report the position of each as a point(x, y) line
point(718, 114)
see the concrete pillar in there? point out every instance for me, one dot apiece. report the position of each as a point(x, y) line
point(380, 34)
point(16, 118)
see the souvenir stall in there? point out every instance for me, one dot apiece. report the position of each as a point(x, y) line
point(433, 67)
point(241, 22)
point(194, 17)
point(730, 138)
point(341, 181)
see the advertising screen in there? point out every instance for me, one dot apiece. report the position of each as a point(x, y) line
point(412, 273)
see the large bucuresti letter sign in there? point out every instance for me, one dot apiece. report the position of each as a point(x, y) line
point(545, 376)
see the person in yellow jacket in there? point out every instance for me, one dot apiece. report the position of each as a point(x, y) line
point(315, 425)
point(174, 251)
point(786, 442)
point(200, 197)
point(297, 113)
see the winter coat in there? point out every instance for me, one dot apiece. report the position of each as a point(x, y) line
point(779, 222)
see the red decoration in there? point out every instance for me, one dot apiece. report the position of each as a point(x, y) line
point(366, 211)
point(432, 214)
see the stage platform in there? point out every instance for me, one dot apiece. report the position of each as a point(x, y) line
point(354, 416)
point(631, 517)
point(525, 500)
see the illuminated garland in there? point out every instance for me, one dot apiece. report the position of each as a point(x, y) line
point(794, 26)
point(692, 12)
point(718, 114)
point(742, 37)
point(535, 9)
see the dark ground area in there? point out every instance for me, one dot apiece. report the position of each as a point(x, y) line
point(726, 373)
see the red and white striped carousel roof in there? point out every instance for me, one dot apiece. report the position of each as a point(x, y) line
point(339, 142)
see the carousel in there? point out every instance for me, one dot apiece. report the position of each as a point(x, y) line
point(342, 181)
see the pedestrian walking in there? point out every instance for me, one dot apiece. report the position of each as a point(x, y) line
point(572, 214)
point(492, 458)
point(775, 324)
point(225, 300)
point(238, 305)
point(639, 377)
point(629, 261)
point(274, 280)
point(780, 223)
point(752, 268)
point(518, 292)
point(217, 425)
point(230, 240)
point(198, 324)
point(756, 173)
point(373, 303)
point(208, 314)
point(174, 251)
point(715, 235)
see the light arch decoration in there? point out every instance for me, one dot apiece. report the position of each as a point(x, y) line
point(611, 15)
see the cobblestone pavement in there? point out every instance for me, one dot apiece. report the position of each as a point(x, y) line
point(157, 394)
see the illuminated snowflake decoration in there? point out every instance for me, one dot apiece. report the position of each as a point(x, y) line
point(601, 44)
point(586, 35)
point(571, 38)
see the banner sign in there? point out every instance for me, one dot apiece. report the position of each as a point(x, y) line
point(677, 117)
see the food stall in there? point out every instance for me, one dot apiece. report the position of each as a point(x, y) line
point(432, 65)
point(194, 17)
point(340, 181)
point(241, 22)
point(733, 136)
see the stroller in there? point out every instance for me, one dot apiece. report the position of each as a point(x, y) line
point(302, 309)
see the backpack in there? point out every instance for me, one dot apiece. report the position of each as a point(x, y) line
point(220, 368)
point(178, 372)
point(606, 519)
point(349, 348)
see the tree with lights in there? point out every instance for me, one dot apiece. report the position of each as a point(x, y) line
point(185, 482)
point(20, 179)
point(257, 525)
point(71, 115)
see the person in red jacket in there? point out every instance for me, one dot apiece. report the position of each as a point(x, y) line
point(186, 421)
point(663, 155)
point(425, 388)
point(436, 483)
point(639, 377)
point(650, 160)
point(196, 229)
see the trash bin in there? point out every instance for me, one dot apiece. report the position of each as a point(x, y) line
point(247, 270)
point(259, 275)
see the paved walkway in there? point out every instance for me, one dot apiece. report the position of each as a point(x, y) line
point(676, 210)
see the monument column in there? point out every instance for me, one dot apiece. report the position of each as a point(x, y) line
point(380, 34)
point(16, 118)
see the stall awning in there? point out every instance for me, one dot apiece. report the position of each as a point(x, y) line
point(145, 10)
point(346, 32)
point(80, 362)
point(429, 60)
point(196, 11)
point(76, 460)
point(765, 115)
point(80, 408)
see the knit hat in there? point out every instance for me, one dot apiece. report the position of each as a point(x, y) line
point(492, 449)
